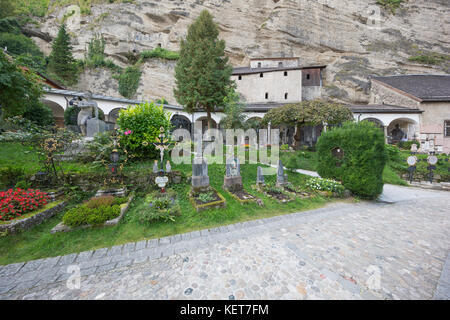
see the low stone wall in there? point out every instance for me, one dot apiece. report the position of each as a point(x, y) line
point(27, 223)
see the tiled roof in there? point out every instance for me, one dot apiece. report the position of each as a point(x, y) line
point(427, 88)
point(101, 97)
point(248, 70)
point(382, 108)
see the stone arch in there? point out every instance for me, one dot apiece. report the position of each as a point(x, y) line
point(406, 125)
point(204, 122)
point(57, 110)
point(180, 121)
point(375, 121)
point(113, 115)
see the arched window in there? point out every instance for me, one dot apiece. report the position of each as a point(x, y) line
point(285, 96)
point(267, 95)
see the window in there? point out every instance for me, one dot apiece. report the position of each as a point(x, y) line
point(240, 77)
point(267, 95)
point(447, 128)
point(285, 96)
point(280, 64)
point(261, 75)
point(259, 64)
point(308, 76)
point(285, 73)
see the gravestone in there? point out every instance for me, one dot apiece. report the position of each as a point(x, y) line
point(94, 126)
point(281, 177)
point(200, 178)
point(233, 178)
point(260, 177)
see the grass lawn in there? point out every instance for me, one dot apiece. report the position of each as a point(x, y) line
point(39, 243)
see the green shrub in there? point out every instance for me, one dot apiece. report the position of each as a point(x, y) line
point(129, 81)
point(40, 114)
point(160, 53)
point(406, 145)
point(18, 44)
point(144, 121)
point(83, 215)
point(360, 168)
point(392, 152)
point(10, 176)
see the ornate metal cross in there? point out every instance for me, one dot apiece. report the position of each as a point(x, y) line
point(162, 144)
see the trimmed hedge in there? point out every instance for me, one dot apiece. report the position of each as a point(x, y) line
point(360, 168)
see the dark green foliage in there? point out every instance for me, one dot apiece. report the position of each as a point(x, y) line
point(61, 62)
point(129, 81)
point(406, 145)
point(162, 101)
point(19, 44)
point(235, 118)
point(158, 207)
point(36, 63)
point(71, 115)
point(19, 89)
point(40, 114)
point(6, 8)
point(361, 168)
point(392, 153)
point(10, 176)
point(203, 73)
point(9, 25)
point(83, 215)
point(160, 53)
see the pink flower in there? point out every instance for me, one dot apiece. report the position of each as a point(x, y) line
point(127, 132)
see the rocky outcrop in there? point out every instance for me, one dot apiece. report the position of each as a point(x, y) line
point(355, 39)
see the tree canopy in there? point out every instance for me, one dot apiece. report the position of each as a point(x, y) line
point(203, 73)
point(20, 88)
point(308, 113)
point(234, 112)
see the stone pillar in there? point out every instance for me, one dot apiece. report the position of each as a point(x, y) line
point(385, 134)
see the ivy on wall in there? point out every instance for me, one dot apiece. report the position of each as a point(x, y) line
point(129, 81)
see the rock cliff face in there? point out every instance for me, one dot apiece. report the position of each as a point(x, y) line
point(354, 38)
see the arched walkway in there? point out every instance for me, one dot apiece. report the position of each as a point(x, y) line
point(402, 129)
point(57, 110)
point(181, 122)
point(114, 115)
point(375, 121)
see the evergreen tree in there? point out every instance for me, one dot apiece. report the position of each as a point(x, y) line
point(61, 62)
point(6, 8)
point(234, 112)
point(203, 74)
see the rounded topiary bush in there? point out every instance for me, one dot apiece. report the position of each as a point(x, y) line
point(140, 126)
point(355, 155)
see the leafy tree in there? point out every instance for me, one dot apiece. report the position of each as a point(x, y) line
point(202, 74)
point(20, 88)
point(308, 113)
point(19, 44)
point(234, 112)
point(40, 114)
point(61, 62)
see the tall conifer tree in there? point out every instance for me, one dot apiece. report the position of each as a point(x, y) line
point(61, 61)
point(203, 74)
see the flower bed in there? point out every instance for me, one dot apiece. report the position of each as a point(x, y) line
point(329, 185)
point(32, 218)
point(207, 200)
point(159, 206)
point(278, 193)
point(15, 203)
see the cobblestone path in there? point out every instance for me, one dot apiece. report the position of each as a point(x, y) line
point(365, 250)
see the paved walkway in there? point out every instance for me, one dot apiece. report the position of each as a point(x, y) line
point(365, 250)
